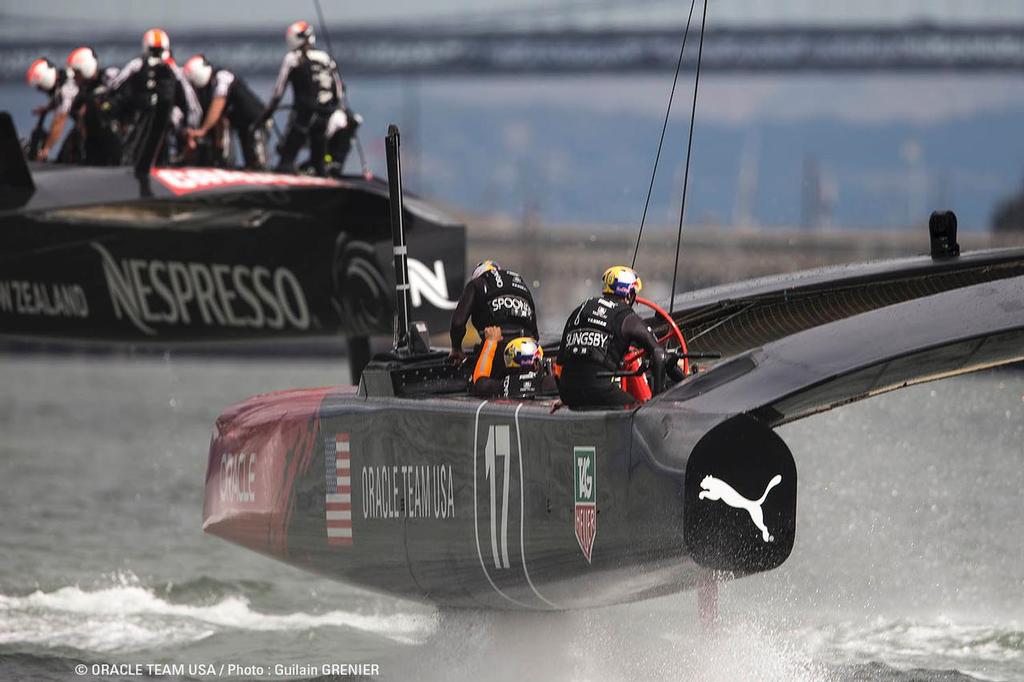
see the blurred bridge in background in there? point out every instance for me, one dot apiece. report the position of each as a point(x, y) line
point(403, 51)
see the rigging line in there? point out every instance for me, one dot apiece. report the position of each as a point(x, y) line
point(343, 95)
point(689, 148)
point(723, 321)
point(323, 27)
point(661, 140)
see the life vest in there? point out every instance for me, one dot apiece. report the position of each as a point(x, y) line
point(505, 302)
point(312, 79)
point(593, 334)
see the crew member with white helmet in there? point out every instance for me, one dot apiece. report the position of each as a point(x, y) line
point(97, 127)
point(317, 90)
point(224, 96)
point(60, 88)
point(155, 86)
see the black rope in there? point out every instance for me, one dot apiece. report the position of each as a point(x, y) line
point(689, 148)
point(323, 28)
point(661, 140)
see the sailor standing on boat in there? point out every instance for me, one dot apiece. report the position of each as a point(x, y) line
point(225, 97)
point(59, 86)
point(317, 91)
point(596, 338)
point(154, 87)
point(98, 129)
point(493, 297)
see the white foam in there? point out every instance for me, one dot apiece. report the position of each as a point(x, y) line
point(127, 618)
point(932, 643)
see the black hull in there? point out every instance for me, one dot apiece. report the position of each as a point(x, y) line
point(250, 255)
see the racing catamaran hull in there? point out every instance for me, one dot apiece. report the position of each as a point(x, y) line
point(206, 254)
point(522, 505)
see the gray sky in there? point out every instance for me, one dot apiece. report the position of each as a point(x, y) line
point(64, 17)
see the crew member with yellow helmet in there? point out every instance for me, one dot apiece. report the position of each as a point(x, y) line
point(493, 297)
point(515, 375)
point(597, 336)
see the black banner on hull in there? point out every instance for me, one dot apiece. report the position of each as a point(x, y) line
point(740, 498)
point(314, 261)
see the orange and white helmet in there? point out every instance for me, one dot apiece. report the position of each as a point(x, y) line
point(298, 34)
point(156, 42)
point(198, 70)
point(83, 62)
point(42, 74)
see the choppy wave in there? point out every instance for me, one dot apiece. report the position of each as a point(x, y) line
point(980, 649)
point(128, 617)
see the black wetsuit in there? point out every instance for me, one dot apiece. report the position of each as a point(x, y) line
point(242, 109)
point(62, 96)
point(154, 87)
point(92, 108)
point(596, 337)
point(497, 298)
point(316, 94)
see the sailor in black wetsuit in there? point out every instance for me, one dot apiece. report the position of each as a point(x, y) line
point(517, 375)
point(493, 297)
point(316, 94)
point(59, 86)
point(597, 336)
point(154, 86)
point(99, 131)
point(223, 95)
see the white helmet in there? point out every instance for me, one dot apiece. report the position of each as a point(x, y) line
point(42, 74)
point(83, 62)
point(298, 34)
point(198, 70)
point(156, 42)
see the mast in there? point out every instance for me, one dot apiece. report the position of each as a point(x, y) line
point(392, 144)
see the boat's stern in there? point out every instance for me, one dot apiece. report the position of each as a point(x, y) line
point(259, 449)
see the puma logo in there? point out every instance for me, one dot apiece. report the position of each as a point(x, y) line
point(716, 489)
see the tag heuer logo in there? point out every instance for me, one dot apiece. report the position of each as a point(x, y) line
point(585, 489)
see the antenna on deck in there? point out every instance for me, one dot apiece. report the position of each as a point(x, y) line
point(392, 145)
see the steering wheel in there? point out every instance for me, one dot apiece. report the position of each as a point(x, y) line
point(673, 331)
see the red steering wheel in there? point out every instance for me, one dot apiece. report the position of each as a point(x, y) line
point(673, 331)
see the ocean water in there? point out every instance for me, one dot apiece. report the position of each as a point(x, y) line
point(909, 561)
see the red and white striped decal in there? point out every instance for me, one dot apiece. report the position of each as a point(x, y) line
point(338, 503)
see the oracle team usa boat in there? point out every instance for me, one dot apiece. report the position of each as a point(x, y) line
point(407, 485)
point(205, 254)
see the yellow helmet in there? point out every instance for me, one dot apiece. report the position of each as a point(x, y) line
point(523, 353)
point(484, 266)
point(622, 281)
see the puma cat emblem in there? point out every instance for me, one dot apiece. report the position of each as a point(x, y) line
point(716, 489)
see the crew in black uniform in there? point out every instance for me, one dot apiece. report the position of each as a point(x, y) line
point(597, 336)
point(98, 129)
point(517, 375)
point(316, 94)
point(225, 96)
point(154, 86)
point(493, 297)
point(59, 86)
point(341, 129)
